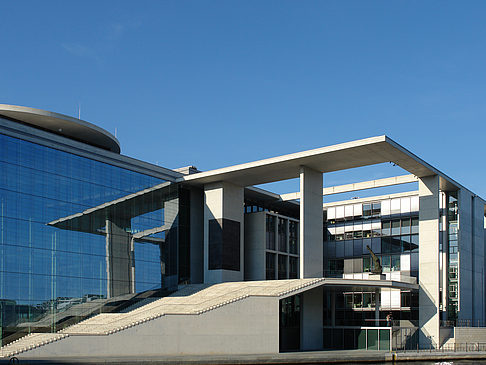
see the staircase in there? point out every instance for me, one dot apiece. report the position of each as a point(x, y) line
point(190, 300)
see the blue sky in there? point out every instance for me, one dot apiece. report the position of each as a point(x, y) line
point(215, 83)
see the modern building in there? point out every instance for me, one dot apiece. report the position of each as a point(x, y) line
point(128, 258)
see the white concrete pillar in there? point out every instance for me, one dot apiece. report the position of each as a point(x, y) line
point(223, 232)
point(311, 221)
point(429, 320)
point(311, 329)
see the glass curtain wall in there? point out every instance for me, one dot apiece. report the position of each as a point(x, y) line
point(47, 268)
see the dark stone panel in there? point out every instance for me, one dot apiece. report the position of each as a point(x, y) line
point(224, 244)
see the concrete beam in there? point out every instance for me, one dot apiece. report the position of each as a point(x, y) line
point(364, 185)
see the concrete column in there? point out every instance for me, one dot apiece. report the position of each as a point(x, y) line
point(311, 221)
point(119, 263)
point(466, 260)
point(311, 329)
point(223, 232)
point(478, 257)
point(429, 320)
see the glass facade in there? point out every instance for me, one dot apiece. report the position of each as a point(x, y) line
point(453, 226)
point(390, 229)
point(50, 263)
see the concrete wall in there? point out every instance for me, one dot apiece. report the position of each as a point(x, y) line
point(223, 200)
point(469, 335)
point(478, 255)
point(429, 260)
point(255, 330)
point(312, 327)
point(465, 306)
point(255, 245)
point(311, 223)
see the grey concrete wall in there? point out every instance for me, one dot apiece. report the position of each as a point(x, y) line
point(311, 223)
point(255, 244)
point(478, 257)
point(429, 320)
point(465, 306)
point(223, 200)
point(469, 334)
point(255, 330)
point(312, 327)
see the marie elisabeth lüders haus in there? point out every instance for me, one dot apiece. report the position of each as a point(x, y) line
point(104, 252)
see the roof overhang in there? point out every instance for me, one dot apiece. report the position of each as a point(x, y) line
point(63, 125)
point(363, 152)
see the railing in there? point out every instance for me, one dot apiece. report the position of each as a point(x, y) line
point(456, 347)
point(463, 323)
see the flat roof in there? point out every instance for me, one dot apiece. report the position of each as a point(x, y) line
point(63, 125)
point(362, 152)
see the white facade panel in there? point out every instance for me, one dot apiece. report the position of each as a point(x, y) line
point(414, 203)
point(405, 205)
point(340, 212)
point(385, 207)
point(331, 213)
point(395, 206)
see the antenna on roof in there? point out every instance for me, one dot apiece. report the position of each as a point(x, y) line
point(79, 110)
point(115, 132)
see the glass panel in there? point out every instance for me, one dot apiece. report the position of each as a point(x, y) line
point(367, 210)
point(395, 227)
point(282, 234)
point(386, 228)
point(385, 340)
point(293, 237)
point(270, 231)
point(293, 267)
point(415, 225)
point(270, 266)
point(357, 248)
point(282, 267)
point(361, 339)
point(395, 263)
point(385, 263)
point(406, 226)
point(372, 339)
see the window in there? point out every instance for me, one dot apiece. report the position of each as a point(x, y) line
point(282, 234)
point(386, 228)
point(282, 267)
point(270, 266)
point(270, 225)
point(395, 227)
point(367, 210)
point(376, 209)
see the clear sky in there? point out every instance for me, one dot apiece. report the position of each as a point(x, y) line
point(215, 83)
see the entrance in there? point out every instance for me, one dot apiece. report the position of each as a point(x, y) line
point(290, 323)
